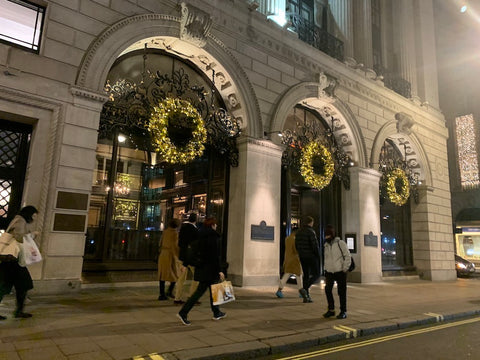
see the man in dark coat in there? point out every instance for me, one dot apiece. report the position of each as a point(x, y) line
point(309, 252)
point(208, 272)
point(188, 233)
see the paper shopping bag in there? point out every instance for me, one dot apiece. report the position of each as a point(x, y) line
point(222, 293)
point(29, 254)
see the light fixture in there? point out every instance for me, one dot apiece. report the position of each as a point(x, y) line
point(278, 133)
point(121, 138)
point(464, 8)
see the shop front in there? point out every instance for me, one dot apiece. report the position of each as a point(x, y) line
point(136, 188)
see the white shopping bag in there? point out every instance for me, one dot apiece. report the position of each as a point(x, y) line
point(222, 293)
point(29, 253)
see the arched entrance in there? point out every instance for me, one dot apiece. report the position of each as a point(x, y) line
point(313, 101)
point(396, 143)
point(135, 191)
point(300, 199)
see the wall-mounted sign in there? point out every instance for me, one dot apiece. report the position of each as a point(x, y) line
point(351, 240)
point(262, 231)
point(370, 240)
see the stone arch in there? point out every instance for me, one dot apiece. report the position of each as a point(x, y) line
point(163, 31)
point(416, 156)
point(313, 96)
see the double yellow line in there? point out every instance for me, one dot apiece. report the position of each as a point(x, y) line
point(379, 340)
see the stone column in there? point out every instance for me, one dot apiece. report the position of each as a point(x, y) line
point(273, 9)
point(362, 23)
point(255, 194)
point(70, 190)
point(426, 53)
point(404, 34)
point(342, 11)
point(361, 216)
point(432, 239)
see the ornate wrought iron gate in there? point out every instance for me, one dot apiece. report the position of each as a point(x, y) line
point(14, 148)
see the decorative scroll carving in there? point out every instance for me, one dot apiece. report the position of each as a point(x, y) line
point(194, 25)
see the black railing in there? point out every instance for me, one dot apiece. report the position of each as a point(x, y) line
point(316, 36)
point(394, 82)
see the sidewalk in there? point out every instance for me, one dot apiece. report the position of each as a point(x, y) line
point(126, 323)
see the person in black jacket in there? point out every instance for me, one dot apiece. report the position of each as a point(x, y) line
point(208, 272)
point(188, 233)
point(309, 252)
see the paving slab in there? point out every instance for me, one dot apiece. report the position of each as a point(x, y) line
point(130, 323)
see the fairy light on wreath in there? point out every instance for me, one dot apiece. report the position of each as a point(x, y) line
point(397, 186)
point(178, 131)
point(316, 165)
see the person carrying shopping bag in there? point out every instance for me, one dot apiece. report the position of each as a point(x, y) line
point(12, 274)
point(337, 263)
point(209, 270)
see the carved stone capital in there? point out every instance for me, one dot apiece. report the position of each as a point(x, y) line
point(88, 98)
point(194, 25)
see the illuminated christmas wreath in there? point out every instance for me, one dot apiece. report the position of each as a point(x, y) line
point(397, 186)
point(178, 131)
point(316, 165)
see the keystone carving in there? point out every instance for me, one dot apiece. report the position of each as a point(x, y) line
point(404, 123)
point(194, 25)
point(326, 85)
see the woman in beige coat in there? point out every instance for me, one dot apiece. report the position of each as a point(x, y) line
point(291, 264)
point(168, 263)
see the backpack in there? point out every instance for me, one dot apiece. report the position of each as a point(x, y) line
point(352, 263)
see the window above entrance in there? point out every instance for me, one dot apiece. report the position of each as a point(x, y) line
point(21, 24)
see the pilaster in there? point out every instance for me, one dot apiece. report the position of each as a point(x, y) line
point(255, 193)
point(362, 22)
point(361, 216)
point(343, 14)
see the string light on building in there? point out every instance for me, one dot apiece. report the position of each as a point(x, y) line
point(467, 151)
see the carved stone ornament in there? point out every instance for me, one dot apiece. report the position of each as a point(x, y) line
point(404, 123)
point(325, 85)
point(194, 25)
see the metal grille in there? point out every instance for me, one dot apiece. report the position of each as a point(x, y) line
point(9, 143)
point(5, 191)
point(14, 148)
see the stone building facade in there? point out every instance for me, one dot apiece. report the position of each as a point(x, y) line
point(264, 71)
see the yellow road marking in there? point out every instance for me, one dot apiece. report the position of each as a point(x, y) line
point(379, 340)
point(348, 330)
point(153, 356)
point(438, 316)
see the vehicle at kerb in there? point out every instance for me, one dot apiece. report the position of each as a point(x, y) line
point(463, 266)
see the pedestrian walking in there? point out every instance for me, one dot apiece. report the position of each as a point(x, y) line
point(11, 273)
point(209, 270)
point(188, 233)
point(291, 264)
point(337, 262)
point(168, 262)
point(308, 249)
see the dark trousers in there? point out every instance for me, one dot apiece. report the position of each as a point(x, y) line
point(13, 275)
point(341, 279)
point(161, 284)
point(311, 271)
point(202, 287)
